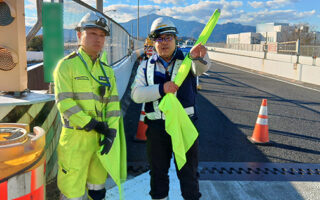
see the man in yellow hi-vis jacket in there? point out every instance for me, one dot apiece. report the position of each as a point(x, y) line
point(87, 99)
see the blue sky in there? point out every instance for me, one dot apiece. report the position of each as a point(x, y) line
point(247, 12)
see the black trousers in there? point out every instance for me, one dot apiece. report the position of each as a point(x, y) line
point(159, 152)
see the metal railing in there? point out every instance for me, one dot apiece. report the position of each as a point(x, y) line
point(310, 50)
point(289, 47)
point(281, 47)
point(244, 47)
point(118, 45)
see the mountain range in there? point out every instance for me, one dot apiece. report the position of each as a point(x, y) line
point(189, 29)
point(186, 29)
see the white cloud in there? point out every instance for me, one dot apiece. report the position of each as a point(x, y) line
point(90, 2)
point(231, 11)
point(124, 12)
point(30, 4)
point(256, 4)
point(71, 8)
point(168, 1)
point(202, 10)
point(271, 4)
point(30, 21)
point(285, 16)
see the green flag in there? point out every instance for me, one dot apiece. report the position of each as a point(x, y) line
point(178, 125)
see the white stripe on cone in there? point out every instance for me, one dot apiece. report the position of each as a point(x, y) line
point(262, 121)
point(263, 110)
point(142, 116)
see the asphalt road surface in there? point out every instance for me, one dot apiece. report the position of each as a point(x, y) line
point(228, 106)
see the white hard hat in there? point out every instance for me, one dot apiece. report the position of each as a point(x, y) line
point(160, 26)
point(93, 20)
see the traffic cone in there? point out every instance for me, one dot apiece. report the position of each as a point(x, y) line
point(142, 127)
point(261, 131)
point(198, 84)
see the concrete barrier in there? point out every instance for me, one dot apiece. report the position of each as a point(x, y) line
point(122, 72)
point(256, 54)
point(307, 70)
point(34, 55)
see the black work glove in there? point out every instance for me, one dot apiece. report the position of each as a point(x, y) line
point(103, 129)
point(100, 127)
point(107, 141)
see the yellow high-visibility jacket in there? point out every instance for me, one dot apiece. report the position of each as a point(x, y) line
point(78, 101)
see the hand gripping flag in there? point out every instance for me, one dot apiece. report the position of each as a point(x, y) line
point(178, 124)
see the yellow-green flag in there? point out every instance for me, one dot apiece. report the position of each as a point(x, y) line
point(178, 125)
point(115, 162)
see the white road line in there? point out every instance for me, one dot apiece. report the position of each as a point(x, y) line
point(269, 77)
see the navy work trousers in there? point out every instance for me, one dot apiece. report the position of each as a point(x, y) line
point(159, 152)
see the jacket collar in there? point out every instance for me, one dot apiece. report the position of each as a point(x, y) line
point(176, 55)
point(86, 57)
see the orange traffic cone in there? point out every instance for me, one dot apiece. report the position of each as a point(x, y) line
point(261, 131)
point(142, 128)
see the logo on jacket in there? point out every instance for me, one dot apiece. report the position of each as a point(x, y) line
point(102, 78)
point(81, 78)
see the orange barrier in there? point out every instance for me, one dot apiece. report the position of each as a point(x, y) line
point(142, 127)
point(149, 51)
point(22, 162)
point(25, 186)
point(261, 131)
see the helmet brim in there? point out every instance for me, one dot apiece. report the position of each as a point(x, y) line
point(92, 26)
point(167, 30)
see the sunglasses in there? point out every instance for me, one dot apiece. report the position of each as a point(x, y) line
point(164, 39)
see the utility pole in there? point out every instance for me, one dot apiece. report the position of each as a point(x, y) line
point(99, 4)
point(299, 29)
point(138, 23)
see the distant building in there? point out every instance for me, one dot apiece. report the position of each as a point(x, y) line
point(315, 38)
point(270, 27)
point(189, 42)
point(266, 32)
point(244, 38)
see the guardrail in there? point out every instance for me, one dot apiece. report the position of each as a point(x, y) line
point(118, 45)
point(300, 68)
point(122, 49)
point(290, 48)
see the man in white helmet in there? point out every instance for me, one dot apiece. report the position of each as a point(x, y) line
point(87, 99)
point(153, 80)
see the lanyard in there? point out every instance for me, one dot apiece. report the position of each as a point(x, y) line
point(104, 72)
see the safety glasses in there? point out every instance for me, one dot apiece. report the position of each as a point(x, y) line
point(167, 38)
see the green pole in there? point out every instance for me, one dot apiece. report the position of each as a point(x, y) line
point(53, 42)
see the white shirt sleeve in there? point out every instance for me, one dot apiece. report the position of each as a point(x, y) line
point(199, 68)
point(140, 91)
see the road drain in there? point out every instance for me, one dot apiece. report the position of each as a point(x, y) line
point(251, 171)
point(246, 171)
